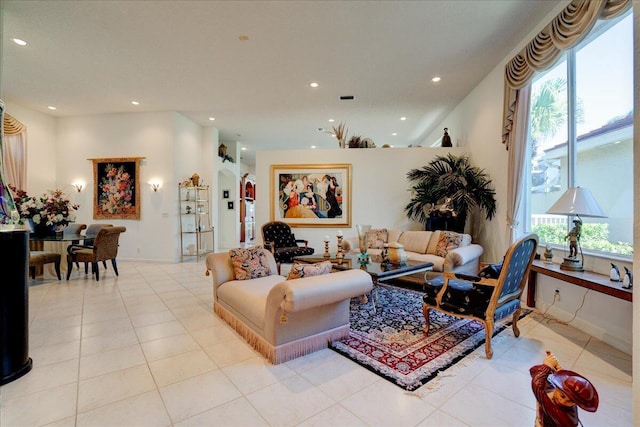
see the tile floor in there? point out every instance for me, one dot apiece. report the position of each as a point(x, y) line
point(145, 349)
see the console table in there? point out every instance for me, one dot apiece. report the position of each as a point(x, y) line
point(585, 279)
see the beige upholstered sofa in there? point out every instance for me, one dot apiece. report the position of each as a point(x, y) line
point(284, 319)
point(455, 253)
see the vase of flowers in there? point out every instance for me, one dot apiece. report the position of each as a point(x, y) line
point(46, 214)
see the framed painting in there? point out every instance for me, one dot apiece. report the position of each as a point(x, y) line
point(311, 195)
point(116, 189)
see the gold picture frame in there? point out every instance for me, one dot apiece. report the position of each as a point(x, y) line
point(116, 188)
point(311, 195)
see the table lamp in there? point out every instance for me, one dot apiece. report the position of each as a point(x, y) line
point(576, 201)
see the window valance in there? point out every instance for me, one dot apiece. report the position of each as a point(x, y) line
point(12, 126)
point(563, 32)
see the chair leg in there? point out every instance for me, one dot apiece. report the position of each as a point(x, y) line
point(69, 268)
point(105, 264)
point(57, 267)
point(96, 270)
point(425, 312)
point(514, 324)
point(115, 266)
point(32, 271)
point(488, 331)
point(86, 268)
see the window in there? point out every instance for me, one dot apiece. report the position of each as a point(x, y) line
point(581, 134)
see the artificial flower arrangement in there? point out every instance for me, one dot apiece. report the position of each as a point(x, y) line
point(52, 208)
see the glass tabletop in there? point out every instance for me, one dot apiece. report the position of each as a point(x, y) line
point(376, 269)
point(60, 237)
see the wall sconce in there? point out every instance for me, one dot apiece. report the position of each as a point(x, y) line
point(78, 185)
point(155, 185)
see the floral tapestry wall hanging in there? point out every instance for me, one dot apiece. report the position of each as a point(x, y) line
point(116, 189)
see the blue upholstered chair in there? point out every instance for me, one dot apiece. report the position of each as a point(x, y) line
point(280, 240)
point(484, 299)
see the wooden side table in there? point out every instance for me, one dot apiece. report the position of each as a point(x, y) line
point(585, 279)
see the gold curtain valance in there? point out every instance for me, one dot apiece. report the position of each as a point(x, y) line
point(12, 126)
point(563, 32)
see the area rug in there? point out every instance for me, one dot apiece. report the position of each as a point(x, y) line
point(389, 340)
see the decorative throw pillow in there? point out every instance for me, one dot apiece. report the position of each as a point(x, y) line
point(250, 263)
point(448, 240)
point(298, 271)
point(377, 238)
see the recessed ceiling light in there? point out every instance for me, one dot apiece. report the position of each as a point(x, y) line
point(314, 84)
point(212, 118)
point(436, 79)
point(19, 42)
point(403, 118)
point(331, 120)
point(244, 148)
point(135, 102)
point(392, 146)
point(51, 107)
point(394, 134)
point(313, 146)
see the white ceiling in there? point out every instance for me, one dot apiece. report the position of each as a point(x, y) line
point(95, 57)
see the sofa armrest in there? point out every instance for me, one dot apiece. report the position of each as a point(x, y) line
point(461, 256)
point(309, 292)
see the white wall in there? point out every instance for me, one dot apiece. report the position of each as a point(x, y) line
point(379, 186)
point(149, 135)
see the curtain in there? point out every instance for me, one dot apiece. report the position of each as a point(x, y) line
point(563, 32)
point(515, 185)
point(14, 155)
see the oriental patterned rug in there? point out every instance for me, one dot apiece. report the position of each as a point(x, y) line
point(389, 341)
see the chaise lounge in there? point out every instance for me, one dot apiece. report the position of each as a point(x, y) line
point(283, 318)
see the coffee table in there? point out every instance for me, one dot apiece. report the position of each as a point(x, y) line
point(379, 272)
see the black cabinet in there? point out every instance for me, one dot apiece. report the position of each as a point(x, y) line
point(14, 303)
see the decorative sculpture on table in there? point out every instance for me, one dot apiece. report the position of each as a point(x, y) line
point(558, 392)
point(548, 255)
point(362, 229)
point(614, 273)
point(627, 280)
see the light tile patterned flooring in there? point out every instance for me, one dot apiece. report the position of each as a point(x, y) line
point(145, 349)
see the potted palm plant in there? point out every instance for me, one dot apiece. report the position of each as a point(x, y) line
point(446, 190)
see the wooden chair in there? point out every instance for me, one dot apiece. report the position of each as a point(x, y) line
point(105, 247)
point(483, 299)
point(38, 258)
point(280, 240)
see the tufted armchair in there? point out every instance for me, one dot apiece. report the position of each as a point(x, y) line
point(105, 247)
point(484, 299)
point(280, 240)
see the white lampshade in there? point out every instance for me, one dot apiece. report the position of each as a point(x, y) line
point(577, 201)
